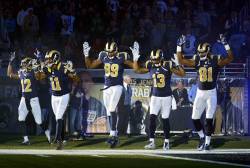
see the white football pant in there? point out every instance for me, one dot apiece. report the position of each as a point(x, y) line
point(205, 100)
point(162, 104)
point(111, 97)
point(35, 109)
point(59, 105)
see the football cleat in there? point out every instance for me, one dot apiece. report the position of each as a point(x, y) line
point(151, 145)
point(207, 147)
point(201, 144)
point(166, 146)
point(59, 145)
point(113, 141)
point(25, 143)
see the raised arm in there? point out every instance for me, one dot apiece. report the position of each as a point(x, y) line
point(90, 63)
point(230, 57)
point(182, 60)
point(136, 56)
point(10, 71)
point(178, 70)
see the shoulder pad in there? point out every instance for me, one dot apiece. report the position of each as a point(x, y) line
point(148, 64)
point(102, 55)
point(194, 57)
point(123, 54)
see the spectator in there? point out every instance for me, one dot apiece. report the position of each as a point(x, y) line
point(232, 24)
point(67, 28)
point(161, 6)
point(75, 109)
point(124, 107)
point(219, 49)
point(180, 94)
point(189, 48)
point(192, 91)
point(93, 111)
point(20, 16)
point(113, 6)
point(172, 7)
point(10, 24)
point(30, 26)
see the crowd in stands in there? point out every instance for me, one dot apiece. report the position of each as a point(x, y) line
point(65, 24)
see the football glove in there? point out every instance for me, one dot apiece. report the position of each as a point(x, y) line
point(135, 51)
point(12, 57)
point(68, 67)
point(222, 40)
point(86, 49)
point(181, 40)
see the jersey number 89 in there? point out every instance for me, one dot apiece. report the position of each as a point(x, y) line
point(111, 70)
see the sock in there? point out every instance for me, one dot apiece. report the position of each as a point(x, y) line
point(166, 127)
point(152, 140)
point(112, 133)
point(201, 134)
point(25, 138)
point(208, 139)
point(166, 140)
point(152, 126)
point(59, 130)
point(113, 123)
point(47, 133)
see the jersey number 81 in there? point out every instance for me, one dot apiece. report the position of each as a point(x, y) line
point(206, 74)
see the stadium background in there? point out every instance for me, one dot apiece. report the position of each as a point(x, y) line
point(148, 22)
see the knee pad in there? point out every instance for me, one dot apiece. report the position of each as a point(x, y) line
point(209, 127)
point(197, 124)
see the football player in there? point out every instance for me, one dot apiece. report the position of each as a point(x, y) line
point(161, 99)
point(29, 100)
point(58, 73)
point(114, 62)
point(207, 66)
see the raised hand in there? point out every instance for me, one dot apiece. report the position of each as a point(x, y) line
point(135, 51)
point(181, 40)
point(86, 49)
point(12, 56)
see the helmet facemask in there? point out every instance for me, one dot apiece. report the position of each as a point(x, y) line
point(156, 57)
point(111, 49)
point(203, 50)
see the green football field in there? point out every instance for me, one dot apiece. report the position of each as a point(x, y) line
point(70, 158)
point(28, 161)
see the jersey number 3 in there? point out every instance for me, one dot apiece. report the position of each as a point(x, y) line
point(26, 85)
point(206, 74)
point(111, 70)
point(55, 85)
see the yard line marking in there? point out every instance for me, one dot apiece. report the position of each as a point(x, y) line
point(199, 160)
